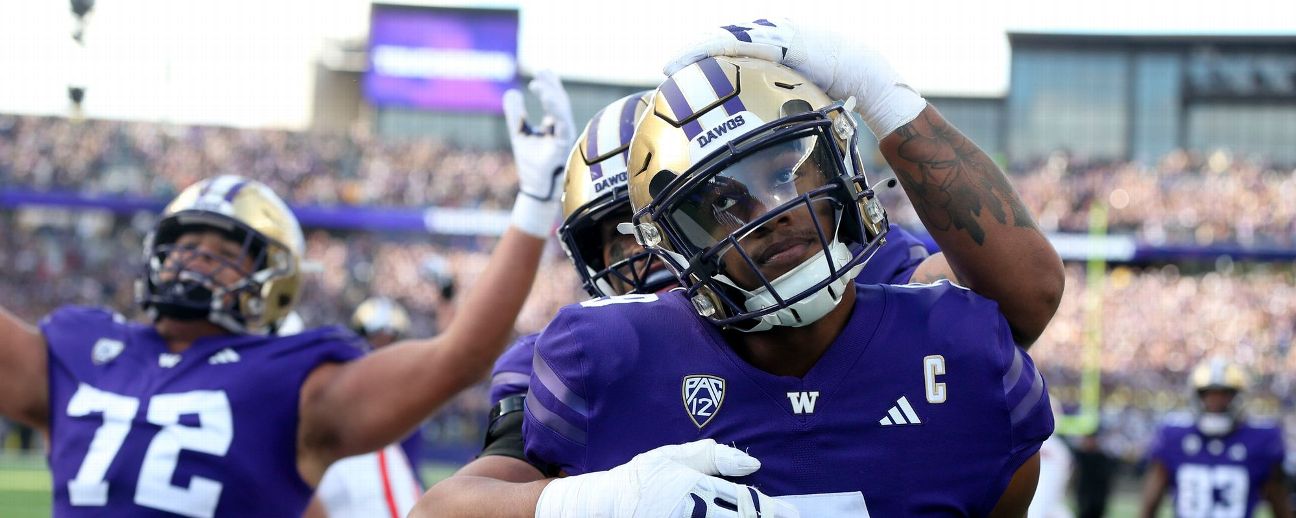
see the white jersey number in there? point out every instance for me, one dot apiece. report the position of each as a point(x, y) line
point(153, 490)
point(1197, 486)
point(632, 298)
point(829, 504)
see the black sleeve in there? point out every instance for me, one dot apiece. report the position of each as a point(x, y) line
point(504, 436)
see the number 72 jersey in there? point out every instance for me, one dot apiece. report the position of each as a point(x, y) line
point(137, 431)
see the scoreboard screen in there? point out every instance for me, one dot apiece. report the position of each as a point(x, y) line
point(441, 58)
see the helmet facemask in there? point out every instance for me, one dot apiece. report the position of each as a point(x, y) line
point(595, 201)
point(760, 229)
point(183, 282)
point(590, 229)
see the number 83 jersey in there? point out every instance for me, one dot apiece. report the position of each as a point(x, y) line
point(1217, 476)
point(138, 431)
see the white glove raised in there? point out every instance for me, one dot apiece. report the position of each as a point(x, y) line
point(674, 481)
point(834, 62)
point(539, 152)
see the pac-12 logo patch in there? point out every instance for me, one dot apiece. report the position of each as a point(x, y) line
point(106, 350)
point(703, 395)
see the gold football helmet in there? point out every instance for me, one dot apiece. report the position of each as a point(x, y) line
point(245, 212)
point(380, 315)
point(1217, 374)
point(748, 178)
point(595, 200)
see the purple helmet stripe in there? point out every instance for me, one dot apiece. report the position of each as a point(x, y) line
point(734, 105)
point(233, 191)
point(596, 171)
point(679, 105)
point(627, 119)
point(716, 76)
point(206, 188)
point(720, 85)
point(591, 138)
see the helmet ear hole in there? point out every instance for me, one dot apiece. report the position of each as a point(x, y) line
point(660, 181)
point(795, 107)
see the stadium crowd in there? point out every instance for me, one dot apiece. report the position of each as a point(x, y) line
point(1185, 198)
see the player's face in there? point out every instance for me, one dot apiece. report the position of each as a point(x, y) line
point(748, 190)
point(210, 254)
point(1216, 400)
point(619, 247)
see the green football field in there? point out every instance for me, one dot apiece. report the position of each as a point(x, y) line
point(25, 489)
point(25, 485)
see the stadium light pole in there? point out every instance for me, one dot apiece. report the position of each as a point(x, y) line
point(76, 88)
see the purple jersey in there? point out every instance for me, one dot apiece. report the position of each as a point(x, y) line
point(893, 263)
point(512, 370)
point(922, 406)
point(212, 431)
point(1217, 476)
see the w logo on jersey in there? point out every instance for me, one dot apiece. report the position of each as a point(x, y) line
point(703, 395)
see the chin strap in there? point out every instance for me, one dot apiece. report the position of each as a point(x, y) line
point(810, 272)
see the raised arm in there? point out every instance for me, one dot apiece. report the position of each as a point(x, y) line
point(24, 378)
point(989, 239)
point(361, 406)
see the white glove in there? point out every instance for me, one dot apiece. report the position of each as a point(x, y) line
point(670, 481)
point(836, 63)
point(540, 154)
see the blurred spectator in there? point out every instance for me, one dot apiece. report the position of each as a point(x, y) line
point(1184, 199)
point(1095, 472)
point(152, 159)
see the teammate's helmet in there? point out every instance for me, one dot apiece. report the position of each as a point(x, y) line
point(595, 191)
point(245, 212)
point(1217, 374)
point(380, 315)
point(748, 178)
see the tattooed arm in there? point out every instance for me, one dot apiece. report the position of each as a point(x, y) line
point(988, 237)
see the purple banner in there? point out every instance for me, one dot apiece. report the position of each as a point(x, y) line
point(441, 58)
point(444, 221)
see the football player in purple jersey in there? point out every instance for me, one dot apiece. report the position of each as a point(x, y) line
point(609, 263)
point(746, 176)
point(1216, 461)
point(204, 411)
